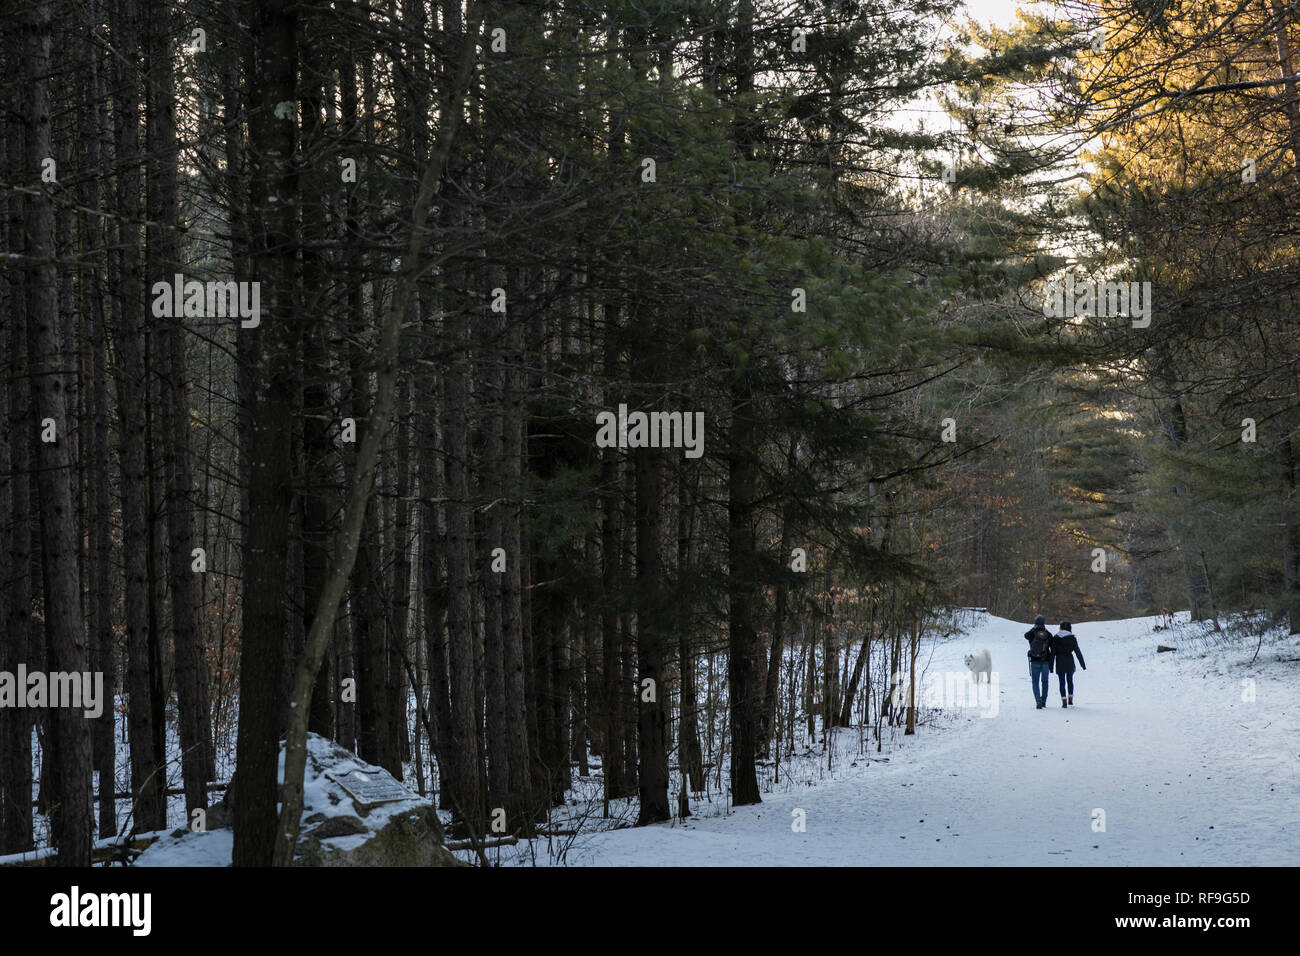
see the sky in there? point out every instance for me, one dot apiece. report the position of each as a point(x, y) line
point(1000, 13)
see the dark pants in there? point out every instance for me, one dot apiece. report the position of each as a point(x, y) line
point(1039, 673)
point(1064, 677)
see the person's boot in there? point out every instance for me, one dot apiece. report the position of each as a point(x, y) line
point(1063, 704)
point(1071, 700)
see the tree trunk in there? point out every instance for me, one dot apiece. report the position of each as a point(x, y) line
point(690, 759)
point(652, 712)
point(368, 617)
point(611, 554)
point(399, 744)
point(431, 578)
point(463, 769)
point(1290, 535)
point(319, 499)
point(497, 730)
point(272, 79)
point(193, 704)
point(103, 659)
point(73, 829)
point(742, 589)
point(147, 771)
point(16, 558)
point(520, 786)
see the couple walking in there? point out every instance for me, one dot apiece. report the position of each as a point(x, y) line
point(1048, 652)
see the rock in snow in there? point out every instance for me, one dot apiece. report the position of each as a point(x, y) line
point(353, 815)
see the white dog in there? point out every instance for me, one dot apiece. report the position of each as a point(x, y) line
point(980, 663)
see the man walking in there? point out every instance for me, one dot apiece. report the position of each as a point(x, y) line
point(1040, 658)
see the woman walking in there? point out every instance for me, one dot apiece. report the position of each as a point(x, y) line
point(1065, 646)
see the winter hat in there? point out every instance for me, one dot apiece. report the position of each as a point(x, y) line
point(1040, 620)
point(1065, 625)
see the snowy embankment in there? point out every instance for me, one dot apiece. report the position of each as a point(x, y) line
point(1183, 758)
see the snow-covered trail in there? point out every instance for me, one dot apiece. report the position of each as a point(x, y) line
point(1186, 771)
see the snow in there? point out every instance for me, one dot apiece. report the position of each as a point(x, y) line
point(321, 797)
point(1187, 769)
point(1192, 756)
point(213, 848)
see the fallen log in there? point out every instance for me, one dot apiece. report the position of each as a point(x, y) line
point(108, 853)
point(170, 791)
point(486, 844)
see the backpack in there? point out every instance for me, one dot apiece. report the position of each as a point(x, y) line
point(1039, 648)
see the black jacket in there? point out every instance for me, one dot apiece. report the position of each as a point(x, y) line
point(1042, 632)
point(1064, 648)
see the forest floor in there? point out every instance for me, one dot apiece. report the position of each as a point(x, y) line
point(1185, 758)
